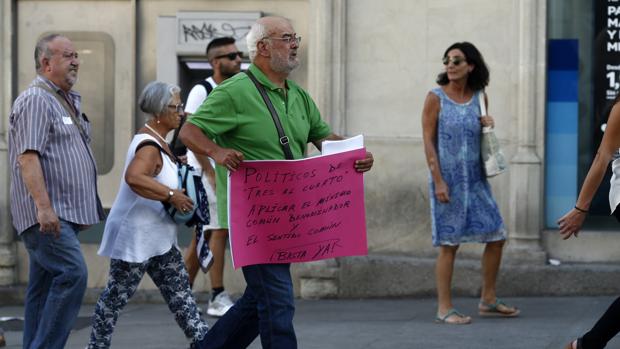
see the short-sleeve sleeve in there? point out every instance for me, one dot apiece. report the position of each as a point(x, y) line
point(217, 115)
point(31, 123)
point(196, 97)
point(319, 129)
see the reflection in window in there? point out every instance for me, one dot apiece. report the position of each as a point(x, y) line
point(96, 85)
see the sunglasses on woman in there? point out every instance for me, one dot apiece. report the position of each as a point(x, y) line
point(456, 61)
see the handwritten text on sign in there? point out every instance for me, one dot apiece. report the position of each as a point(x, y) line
point(297, 211)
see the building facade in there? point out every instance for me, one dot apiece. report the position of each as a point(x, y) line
point(368, 65)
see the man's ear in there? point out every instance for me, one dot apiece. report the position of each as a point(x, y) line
point(45, 63)
point(261, 47)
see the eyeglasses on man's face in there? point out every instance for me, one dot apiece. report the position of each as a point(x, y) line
point(231, 56)
point(456, 61)
point(287, 38)
point(178, 107)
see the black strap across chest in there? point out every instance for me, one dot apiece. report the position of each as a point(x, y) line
point(282, 138)
point(69, 109)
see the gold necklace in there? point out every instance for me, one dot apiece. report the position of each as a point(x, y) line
point(156, 133)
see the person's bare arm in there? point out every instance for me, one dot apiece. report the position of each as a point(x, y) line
point(361, 165)
point(140, 176)
point(572, 221)
point(32, 175)
point(430, 117)
point(200, 144)
point(207, 168)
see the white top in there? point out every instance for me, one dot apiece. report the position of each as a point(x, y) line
point(138, 228)
point(614, 184)
point(196, 97)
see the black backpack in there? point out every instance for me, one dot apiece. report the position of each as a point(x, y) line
point(178, 148)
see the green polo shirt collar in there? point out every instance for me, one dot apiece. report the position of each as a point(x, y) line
point(263, 79)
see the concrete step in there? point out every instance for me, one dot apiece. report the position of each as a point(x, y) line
point(402, 276)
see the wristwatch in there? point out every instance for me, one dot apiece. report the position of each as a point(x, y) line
point(170, 193)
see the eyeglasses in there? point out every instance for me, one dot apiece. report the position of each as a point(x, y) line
point(232, 56)
point(178, 107)
point(289, 39)
point(456, 61)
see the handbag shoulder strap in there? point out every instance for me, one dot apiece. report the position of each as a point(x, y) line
point(483, 106)
point(283, 139)
point(71, 111)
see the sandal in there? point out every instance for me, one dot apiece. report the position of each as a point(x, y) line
point(576, 344)
point(453, 317)
point(497, 309)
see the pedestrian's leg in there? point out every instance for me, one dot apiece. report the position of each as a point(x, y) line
point(605, 328)
point(491, 260)
point(61, 257)
point(123, 280)
point(489, 304)
point(217, 243)
point(443, 274)
point(169, 274)
point(237, 328)
point(39, 281)
point(191, 261)
point(273, 288)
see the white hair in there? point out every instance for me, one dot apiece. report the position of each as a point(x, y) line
point(156, 96)
point(256, 34)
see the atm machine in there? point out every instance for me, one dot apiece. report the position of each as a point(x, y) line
point(194, 69)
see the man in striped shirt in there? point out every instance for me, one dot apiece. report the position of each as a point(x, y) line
point(53, 191)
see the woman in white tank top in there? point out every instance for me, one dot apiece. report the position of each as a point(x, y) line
point(570, 224)
point(139, 236)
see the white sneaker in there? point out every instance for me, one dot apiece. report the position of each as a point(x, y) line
point(220, 305)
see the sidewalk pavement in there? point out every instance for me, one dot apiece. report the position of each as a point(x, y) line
point(545, 323)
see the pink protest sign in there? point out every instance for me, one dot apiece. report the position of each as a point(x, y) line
point(297, 211)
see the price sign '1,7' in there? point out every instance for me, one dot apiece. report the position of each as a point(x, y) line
point(297, 211)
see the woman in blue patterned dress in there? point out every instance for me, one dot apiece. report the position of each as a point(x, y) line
point(462, 206)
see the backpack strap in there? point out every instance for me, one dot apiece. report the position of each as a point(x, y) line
point(181, 149)
point(207, 85)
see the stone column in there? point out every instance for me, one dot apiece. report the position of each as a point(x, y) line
point(526, 180)
point(326, 60)
point(7, 246)
point(326, 84)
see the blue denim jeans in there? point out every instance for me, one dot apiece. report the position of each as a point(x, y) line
point(266, 307)
point(56, 285)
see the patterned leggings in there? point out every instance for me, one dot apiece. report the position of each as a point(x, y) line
point(169, 274)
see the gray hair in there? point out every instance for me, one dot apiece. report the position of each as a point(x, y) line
point(42, 49)
point(156, 96)
point(256, 34)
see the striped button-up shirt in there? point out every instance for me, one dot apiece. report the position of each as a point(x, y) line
point(39, 122)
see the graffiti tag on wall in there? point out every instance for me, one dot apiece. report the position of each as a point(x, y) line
point(206, 31)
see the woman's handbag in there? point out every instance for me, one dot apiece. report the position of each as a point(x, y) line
point(493, 160)
point(190, 183)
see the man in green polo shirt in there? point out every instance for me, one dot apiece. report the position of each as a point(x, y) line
point(237, 119)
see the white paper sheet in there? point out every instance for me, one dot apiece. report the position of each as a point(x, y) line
point(333, 147)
